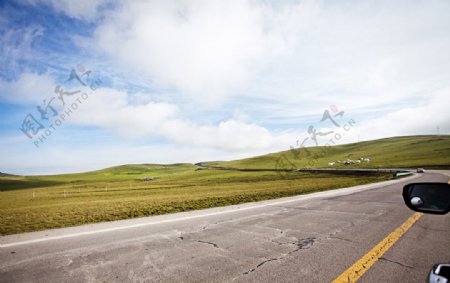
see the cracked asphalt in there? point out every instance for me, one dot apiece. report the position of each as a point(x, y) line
point(311, 238)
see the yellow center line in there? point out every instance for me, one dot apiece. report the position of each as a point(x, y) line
point(354, 272)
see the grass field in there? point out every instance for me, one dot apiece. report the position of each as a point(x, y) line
point(120, 193)
point(30, 203)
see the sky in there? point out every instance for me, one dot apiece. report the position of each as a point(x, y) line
point(90, 84)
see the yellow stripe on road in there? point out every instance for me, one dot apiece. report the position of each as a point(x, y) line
point(354, 272)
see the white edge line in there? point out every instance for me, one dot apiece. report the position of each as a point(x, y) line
point(298, 198)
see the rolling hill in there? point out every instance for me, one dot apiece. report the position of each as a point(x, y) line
point(395, 152)
point(31, 203)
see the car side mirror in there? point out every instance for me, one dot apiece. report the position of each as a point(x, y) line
point(431, 198)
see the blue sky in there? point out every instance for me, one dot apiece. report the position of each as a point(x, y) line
point(189, 81)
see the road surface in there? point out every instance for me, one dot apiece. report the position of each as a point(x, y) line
point(312, 238)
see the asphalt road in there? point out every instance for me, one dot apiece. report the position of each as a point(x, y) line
point(311, 238)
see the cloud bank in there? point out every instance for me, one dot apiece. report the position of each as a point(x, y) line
point(230, 78)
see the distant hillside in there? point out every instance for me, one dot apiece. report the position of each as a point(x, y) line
point(396, 152)
point(122, 173)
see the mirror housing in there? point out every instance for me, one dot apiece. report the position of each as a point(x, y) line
point(431, 198)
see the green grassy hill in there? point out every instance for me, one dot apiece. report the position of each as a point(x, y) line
point(118, 174)
point(30, 203)
point(396, 152)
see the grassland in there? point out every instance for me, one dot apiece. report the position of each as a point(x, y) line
point(397, 152)
point(30, 203)
point(35, 203)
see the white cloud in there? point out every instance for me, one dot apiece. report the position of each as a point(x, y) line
point(205, 49)
point(305, 52)
point(110, 109)
point(415, 120)
point(366, 54)
point(29, 88)
point(228, 135)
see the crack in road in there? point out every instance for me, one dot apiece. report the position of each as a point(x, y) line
point(396, 262)
point(338, 238)
point(431, 229)
point(201, 241)
point(206, 242)
point(301, 244)
point(259, 265)
point(181, 237)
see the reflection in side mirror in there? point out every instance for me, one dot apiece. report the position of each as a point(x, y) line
point(428, 197)
point(416, 202)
